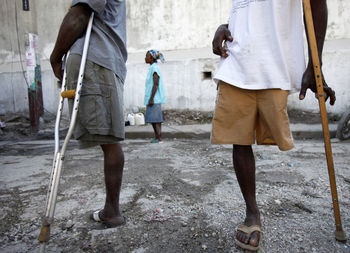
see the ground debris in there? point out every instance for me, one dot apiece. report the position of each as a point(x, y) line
point(172, 199)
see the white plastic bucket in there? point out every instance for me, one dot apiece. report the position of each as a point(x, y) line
point(131, 119)
point(139, 119)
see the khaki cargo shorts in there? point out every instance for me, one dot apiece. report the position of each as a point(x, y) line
point(243, 117)
point(100, 118)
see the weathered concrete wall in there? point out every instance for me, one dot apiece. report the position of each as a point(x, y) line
point(181, 29)
point(166, 25)
point(172, 25)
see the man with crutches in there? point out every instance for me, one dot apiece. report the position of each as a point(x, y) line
point(262, 60)
point(99, 120)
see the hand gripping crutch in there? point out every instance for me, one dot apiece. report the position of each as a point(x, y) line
point(59, 154)
point(339, 233)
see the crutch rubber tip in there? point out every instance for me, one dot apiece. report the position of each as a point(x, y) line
point(340, 236)
point(44, 235)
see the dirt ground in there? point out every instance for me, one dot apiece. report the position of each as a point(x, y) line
point(178, 196)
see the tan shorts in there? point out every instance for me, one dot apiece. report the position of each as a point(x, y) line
point(245, 116)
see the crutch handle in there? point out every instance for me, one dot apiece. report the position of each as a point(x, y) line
point(68, 94)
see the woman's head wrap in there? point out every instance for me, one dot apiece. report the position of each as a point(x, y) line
point(157, 55)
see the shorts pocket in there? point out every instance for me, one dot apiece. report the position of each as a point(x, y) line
point(95, 108)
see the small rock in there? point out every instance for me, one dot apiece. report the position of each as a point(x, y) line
point(150, 196)
point(204, 246)
point(278, 202)
point(167, 199)
point(69, 224)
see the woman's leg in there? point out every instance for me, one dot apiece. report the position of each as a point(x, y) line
point(157, 127)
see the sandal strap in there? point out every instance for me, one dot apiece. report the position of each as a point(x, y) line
point(96, 216)
point(249, 229)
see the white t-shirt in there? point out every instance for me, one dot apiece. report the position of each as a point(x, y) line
point(268, 49)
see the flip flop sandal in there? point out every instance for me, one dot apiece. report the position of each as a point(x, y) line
point(95, 216)
point(249, 230)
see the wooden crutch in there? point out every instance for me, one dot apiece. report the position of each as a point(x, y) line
point(339, 233)
point(59, 154)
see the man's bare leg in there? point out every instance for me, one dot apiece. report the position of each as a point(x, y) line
point(244, 164)
point(113, 171)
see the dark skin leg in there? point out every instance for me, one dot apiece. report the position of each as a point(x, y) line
point(244, 164)
point(157, 127)
point(113, 170)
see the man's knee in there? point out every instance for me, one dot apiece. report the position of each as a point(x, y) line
point(113, 153)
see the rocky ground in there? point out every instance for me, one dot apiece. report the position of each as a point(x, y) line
point(178, 196)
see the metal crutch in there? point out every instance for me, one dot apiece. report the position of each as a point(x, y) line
point(339, 233)
point(59, 155)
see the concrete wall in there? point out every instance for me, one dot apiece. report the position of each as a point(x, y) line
point(181, 29)
point(172, 25)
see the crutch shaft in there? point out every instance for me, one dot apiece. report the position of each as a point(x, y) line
point(51, 201)
point(78, 88)
point(59, 154)
point(54, 188)
point(339, 234)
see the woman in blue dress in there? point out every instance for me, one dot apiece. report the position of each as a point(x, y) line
point(154, 94)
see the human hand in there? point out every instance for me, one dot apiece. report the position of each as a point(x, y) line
point(222, 35)
point(309, 82)
point(151, 102)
